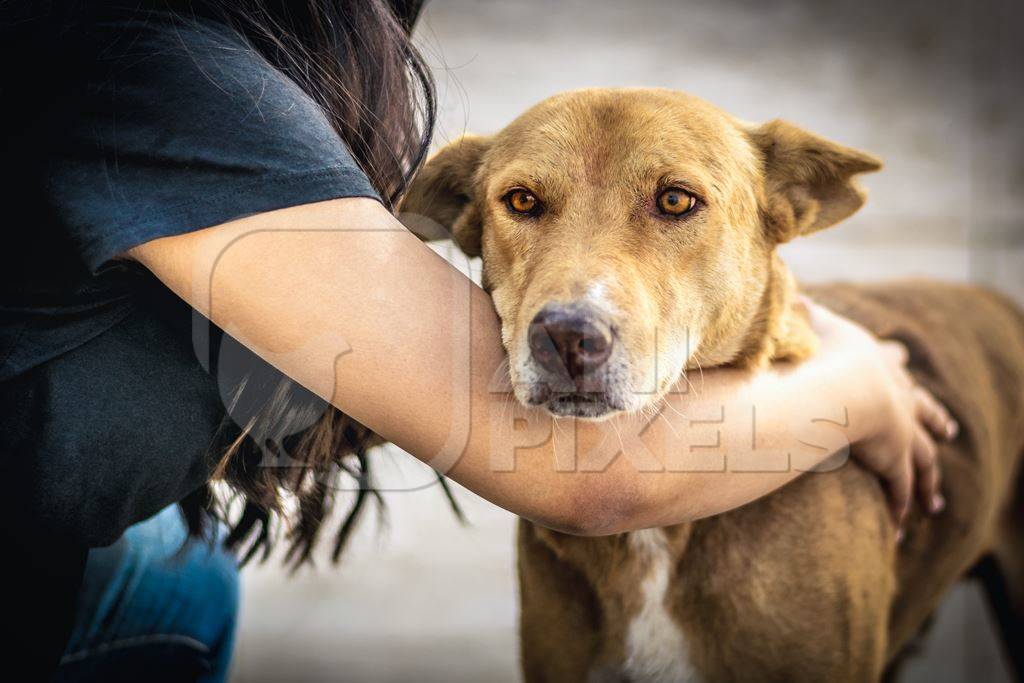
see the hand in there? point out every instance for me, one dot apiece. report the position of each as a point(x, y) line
point(897, 440)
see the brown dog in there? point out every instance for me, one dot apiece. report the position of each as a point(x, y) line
point(603, 216)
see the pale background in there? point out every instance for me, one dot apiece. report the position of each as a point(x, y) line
point(931, 87)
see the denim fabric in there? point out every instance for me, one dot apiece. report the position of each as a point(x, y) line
point(155, 606)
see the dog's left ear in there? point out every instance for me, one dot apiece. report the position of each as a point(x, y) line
point(439, 201)
point(810, 182)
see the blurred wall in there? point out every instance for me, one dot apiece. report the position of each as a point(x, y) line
point(931, 87)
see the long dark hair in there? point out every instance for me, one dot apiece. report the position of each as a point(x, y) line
point(355, 59)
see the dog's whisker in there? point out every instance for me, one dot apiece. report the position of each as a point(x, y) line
point(658, 413)
point(622, 445)
point(675, 410)
point(689, 384)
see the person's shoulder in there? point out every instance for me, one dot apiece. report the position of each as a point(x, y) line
point(168, 122)
point(186, 69)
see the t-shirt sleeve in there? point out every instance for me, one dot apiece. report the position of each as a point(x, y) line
point(181, 125)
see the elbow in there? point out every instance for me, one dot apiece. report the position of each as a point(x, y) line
point(594, 510)
point(602, 504)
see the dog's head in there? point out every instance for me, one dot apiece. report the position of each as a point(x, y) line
point(629, 234)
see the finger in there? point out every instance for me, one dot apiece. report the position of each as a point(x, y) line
point(927, 475)
point(904, 378)
point(895, 356)
point(901, 485)
point(934, 415)
point(895, 352)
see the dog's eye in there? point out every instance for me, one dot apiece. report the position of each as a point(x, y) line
point(676, 202)
point(522, 201)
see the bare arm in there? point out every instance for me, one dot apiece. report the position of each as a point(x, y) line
point(340, 297)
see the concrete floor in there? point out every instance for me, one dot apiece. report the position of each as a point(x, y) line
point(932, 87)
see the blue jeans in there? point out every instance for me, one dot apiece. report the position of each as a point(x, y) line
point(154, 609)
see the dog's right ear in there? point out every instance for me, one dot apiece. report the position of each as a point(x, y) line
point(439, 202)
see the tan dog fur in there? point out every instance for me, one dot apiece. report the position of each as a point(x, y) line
point(805, 584)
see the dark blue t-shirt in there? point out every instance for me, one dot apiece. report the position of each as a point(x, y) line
point(131, 124)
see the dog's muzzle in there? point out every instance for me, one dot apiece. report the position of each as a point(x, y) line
point(571, 345)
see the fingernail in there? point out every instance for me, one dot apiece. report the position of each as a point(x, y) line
point(952, 428)
point(938, 503)
point(899, 536)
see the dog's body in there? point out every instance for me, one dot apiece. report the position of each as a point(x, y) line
point(805, 584)
point(604, 215)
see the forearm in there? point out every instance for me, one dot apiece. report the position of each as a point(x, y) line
point(734, 438)
point(372, 320)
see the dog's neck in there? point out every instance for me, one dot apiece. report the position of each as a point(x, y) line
point(780, 330)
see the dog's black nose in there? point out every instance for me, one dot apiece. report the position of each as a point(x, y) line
point(569, 341)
